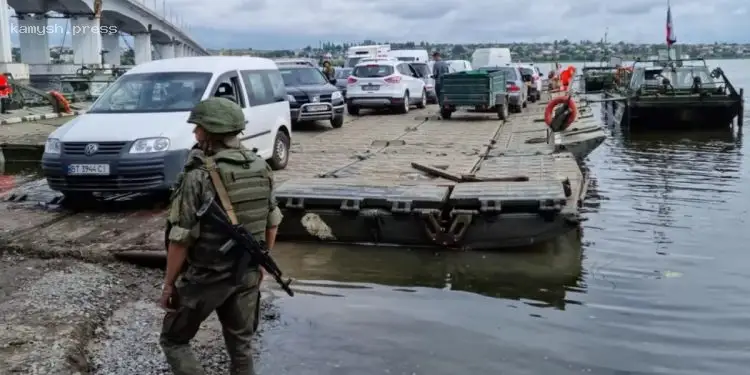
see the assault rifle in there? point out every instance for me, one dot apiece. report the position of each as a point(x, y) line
point(241, 240)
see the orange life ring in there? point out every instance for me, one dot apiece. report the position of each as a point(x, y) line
point(61, 101)
point(554, 103)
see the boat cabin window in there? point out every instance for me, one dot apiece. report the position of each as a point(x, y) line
point(153, 92)
point(685, 77)
point(679, 78)
point(653, 75)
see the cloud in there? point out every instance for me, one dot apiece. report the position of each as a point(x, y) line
point(266, 24)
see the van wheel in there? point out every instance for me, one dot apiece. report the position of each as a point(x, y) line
point(353, 110)
point(404, 108)
point(337, 121)
point(280, 156)
point(423, 102)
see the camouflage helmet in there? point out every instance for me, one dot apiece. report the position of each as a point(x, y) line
point(218, 116)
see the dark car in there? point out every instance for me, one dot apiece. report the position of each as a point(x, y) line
point(429, 82)
point(311, 96)
point(529, 76)
point(342, 74)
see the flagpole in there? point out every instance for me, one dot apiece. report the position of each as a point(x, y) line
point(669, 45)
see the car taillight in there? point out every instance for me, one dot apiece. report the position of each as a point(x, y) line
point(513, 88)
point(351, 80)
point(393, 79)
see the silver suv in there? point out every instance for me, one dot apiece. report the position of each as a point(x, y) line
point(429, 83)
point(518, 94)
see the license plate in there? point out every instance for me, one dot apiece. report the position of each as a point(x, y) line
point(88, 169)
point(371, 88)
point(317, 108)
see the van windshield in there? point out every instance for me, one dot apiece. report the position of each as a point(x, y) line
point(153, 92)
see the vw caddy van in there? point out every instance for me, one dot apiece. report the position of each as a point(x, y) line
point(135, 137)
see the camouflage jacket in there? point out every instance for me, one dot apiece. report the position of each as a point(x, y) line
point(193, 188)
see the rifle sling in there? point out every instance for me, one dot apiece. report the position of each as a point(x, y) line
point(221, 190)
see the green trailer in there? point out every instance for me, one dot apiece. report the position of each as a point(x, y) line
point(476, 89)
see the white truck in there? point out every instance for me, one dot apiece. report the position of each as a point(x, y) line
point(410, 55)
point(357, 53)
point(487, 57)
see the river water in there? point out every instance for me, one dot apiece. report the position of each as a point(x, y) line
point(657, 283)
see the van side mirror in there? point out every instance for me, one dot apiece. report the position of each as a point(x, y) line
point(333, 81)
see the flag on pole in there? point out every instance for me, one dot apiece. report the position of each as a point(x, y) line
point(671, 38)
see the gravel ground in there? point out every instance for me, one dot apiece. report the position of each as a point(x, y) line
point(69, 317)
point(45, 321)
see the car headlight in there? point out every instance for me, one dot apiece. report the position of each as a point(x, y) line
point(336, 95)
point(147, 145)
point(52, 146)
point(291, 99)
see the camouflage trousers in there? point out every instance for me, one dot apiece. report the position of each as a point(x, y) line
point(237, 309)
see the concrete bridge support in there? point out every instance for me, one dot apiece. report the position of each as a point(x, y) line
point(166, 51)
point(142, 47)
point(111, 44)
point(87, 40)
point(34, 39)
point(6, 56)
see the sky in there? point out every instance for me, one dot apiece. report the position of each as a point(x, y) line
point(289, 24)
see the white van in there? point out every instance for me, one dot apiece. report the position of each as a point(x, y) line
point(136, 138)
point(459, 65)
point(487, 57)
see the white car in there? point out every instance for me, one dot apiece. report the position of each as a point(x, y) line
point(386, 83)
point(135, 137)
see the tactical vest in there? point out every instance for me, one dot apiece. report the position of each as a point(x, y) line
point(247, 180)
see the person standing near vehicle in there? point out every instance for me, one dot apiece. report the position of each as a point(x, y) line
point(328, 69)
point(199, 278)
point(439, 69)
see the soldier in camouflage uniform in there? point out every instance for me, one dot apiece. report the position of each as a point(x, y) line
point(199, 278)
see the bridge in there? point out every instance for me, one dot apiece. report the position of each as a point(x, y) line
point(95, 31)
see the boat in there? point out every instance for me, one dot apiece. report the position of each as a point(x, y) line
point(599, 77)
point(674, 93)
point(88, 83)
